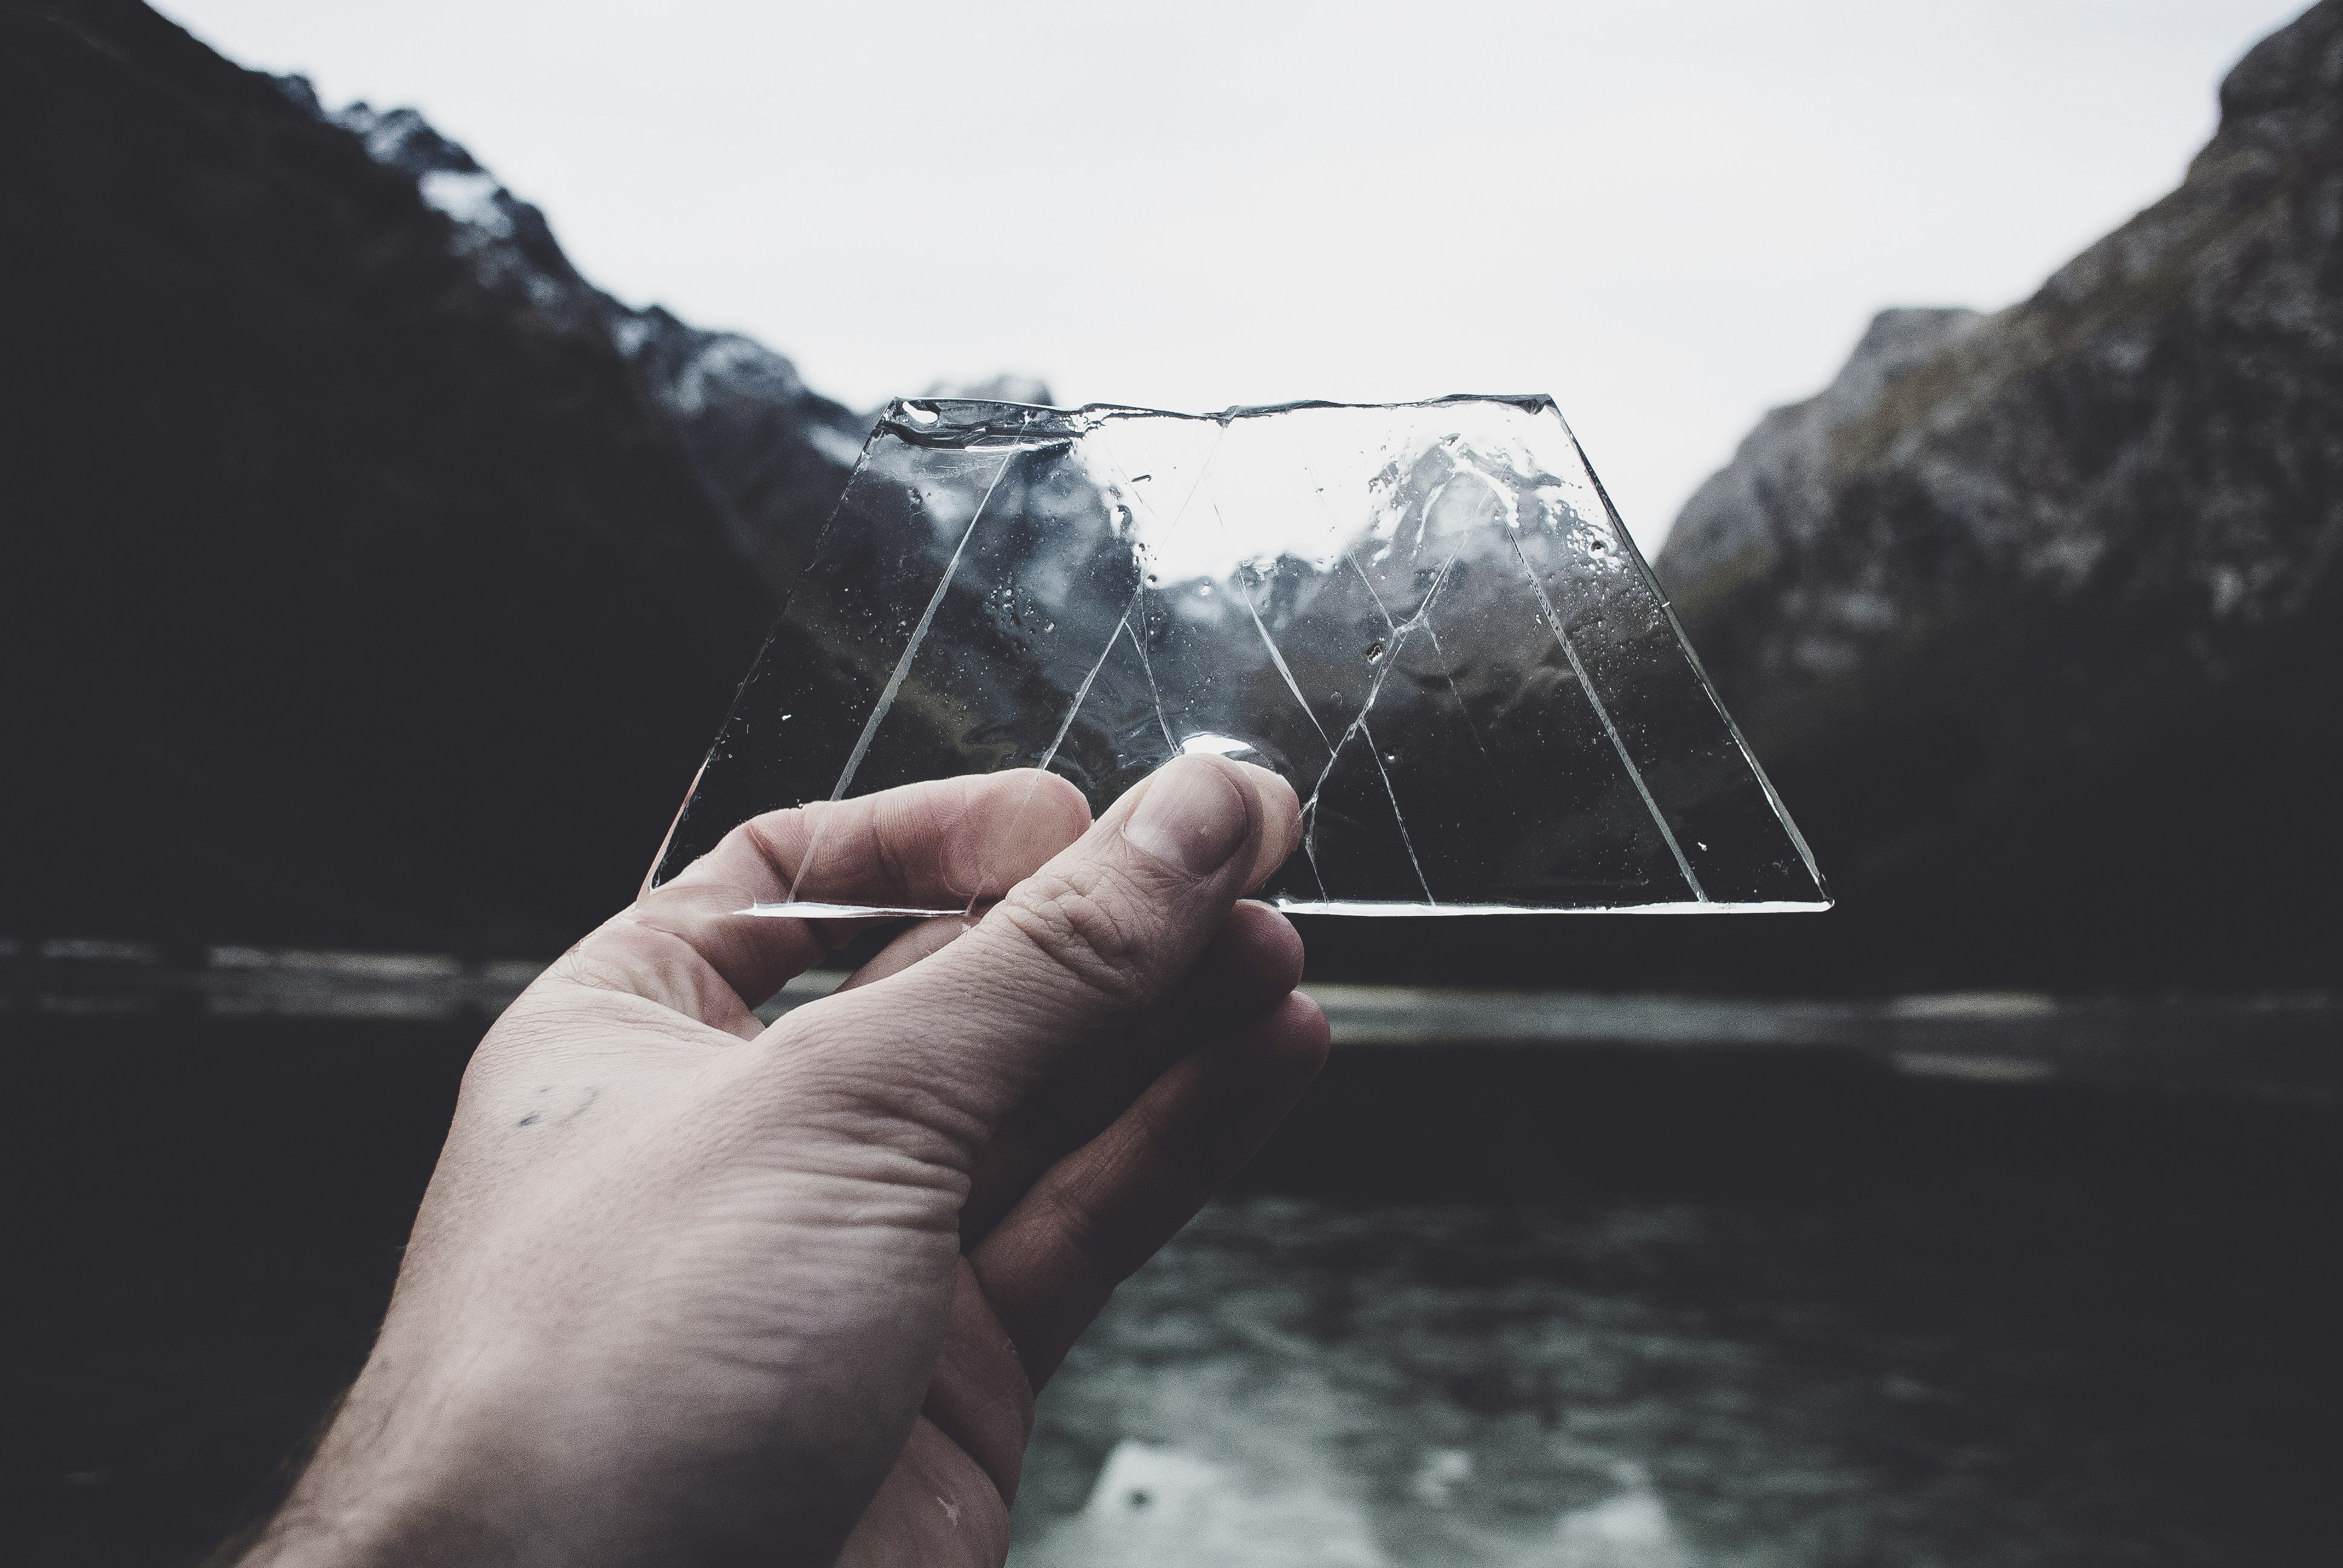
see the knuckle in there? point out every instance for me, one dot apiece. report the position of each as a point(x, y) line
point(1085, 921)
point(628, 957)
point(883, 850)
point(776, 838)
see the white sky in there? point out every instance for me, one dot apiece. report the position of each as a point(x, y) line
point(1672, 216)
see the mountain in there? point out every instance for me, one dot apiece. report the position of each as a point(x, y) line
point(2034, 616)
point(770, 451)
point(370, 578)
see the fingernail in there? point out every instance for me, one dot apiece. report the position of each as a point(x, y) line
point(1191, 815)
point(1264, 777)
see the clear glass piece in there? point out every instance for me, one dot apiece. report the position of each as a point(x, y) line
point(1427, 617)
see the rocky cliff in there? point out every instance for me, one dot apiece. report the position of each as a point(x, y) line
point(2034, 616)
point(369, 577)
point(770, 451)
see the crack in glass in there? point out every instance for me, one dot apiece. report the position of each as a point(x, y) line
point(1426, 617)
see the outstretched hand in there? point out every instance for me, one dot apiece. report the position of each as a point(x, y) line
point(686, 1289)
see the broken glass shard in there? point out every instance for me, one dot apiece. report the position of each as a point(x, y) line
point(1427, 617)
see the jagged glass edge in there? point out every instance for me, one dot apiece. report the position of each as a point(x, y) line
point(1708, 687)
point(1071, 424)
point(809, 910)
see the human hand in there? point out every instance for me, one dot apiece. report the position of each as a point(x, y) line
point(689, 1290)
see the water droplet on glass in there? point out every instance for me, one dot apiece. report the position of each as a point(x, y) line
point(1516, 553)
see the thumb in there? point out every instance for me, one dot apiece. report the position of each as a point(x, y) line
point(1095, 938)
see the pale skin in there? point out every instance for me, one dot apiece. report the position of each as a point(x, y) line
point(690, 1290)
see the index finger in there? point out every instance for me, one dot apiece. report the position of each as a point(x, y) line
point(693, 944)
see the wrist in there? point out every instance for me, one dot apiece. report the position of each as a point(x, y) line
point(366, 1497)
point(364, 1528)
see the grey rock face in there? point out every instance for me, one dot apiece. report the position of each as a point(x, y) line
point(2073, 563)
point(1775, 496)
point(2158, 420)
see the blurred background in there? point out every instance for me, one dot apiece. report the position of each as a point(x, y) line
point(415, 414)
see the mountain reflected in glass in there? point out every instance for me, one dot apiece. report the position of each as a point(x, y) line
point(1425, 617)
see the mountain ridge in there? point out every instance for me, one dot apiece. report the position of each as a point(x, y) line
point(2067, 573)
point(770, 450)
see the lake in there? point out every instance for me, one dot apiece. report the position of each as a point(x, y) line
point(1996, 1281)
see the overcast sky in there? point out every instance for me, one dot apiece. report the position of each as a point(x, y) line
point(1670, 216)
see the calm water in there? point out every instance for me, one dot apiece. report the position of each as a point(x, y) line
point(1640, 1385)
point(1600, 1307)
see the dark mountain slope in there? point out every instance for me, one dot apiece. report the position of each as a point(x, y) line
point(771, 451)
point(357, 590)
